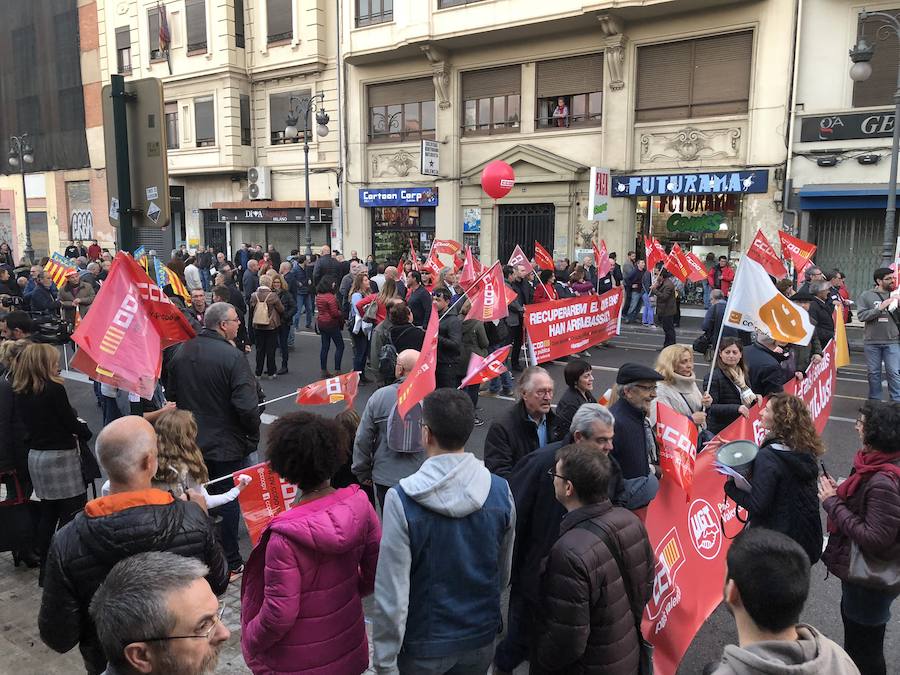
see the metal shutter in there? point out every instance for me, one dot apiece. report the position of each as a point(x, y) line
point(395, 93)
point(123, 38)
point(574, 75)
point(279, 20)
point(491, 82)
point(195, 20)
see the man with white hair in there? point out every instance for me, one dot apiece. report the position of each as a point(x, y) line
point(134, 517)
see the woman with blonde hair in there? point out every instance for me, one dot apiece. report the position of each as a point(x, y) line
point(289, 302)
point(679, 389)
point(783, 493)
point(53, 432)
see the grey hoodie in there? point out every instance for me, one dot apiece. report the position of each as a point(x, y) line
point(454, 485)
point(812, 654)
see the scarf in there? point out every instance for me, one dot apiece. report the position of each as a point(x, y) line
point(866, 464)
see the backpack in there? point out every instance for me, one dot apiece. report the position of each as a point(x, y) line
point(261, 313)
point(387, 358)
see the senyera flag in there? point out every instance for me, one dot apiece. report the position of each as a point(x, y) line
point(332, 390)
point(420, 382)
point(490, 296)
point(485, 368)
point(542, 257)
point(601, 259)
point(799, 251)
point(677, 436)
point(518, 257)
point(58, 268)
point(120, 341)
point(447, 246)
point(762, 252)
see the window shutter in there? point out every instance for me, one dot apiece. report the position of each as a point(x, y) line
point(279, 18)
point(574, 75)
point(492, 82)
point(204, 119)
point(721, 82)
point(123, 38)
point(395, 93)
point(664, 80)
point(153, 31)
point(882, 83)
point(195, 18)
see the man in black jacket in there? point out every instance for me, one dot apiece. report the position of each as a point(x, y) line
point(210, 377)
point(326, 266)
point(449, 340)
point(525, 427)
point(133, 518)
point(418, 299)
point(516, 278)
point(763, 359)
point(635, 442)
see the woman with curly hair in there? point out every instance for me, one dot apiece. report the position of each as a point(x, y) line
point(301, 599)
point(783, 486)
point(864, 512)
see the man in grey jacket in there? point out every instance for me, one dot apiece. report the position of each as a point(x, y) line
point(373, 458)
point(880, 341)
point(446, 552)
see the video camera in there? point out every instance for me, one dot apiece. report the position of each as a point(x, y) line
point(50, 329)
point(10, 301)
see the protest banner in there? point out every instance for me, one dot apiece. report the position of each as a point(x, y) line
point(571, 325)
point(677, 436)
point(265, 497)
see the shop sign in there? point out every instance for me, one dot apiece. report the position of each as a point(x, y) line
point(598, 199)
point(404, 196)
point(723, 182)
point(273, 215)
point(847, 127)
point(708, 222)
point(430, 158)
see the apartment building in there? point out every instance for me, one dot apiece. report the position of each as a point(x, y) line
point(234, 73)
point(684, 100)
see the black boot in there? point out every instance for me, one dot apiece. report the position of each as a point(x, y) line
point(283, 370)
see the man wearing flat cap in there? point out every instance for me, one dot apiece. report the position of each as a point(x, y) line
point(634, 444)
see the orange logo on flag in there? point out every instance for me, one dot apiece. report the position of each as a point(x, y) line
point(783, 319)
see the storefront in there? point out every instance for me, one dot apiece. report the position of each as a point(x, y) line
point(282, 228)
point(398, 215)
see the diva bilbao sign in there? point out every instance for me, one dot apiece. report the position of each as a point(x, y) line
point(562, 327)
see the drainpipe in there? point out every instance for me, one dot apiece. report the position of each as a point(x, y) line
point(792, 122)
point(342, 122)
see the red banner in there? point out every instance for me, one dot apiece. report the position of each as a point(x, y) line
point(542, 257)
point(518, 257)
point(677, 436)
point(332, 390)
point(562, 327)
point(448, 246)
point(601, 259)
point(470, 270)
point(420, 381)
point(762, 252)
point(265, 497)
point(483, 369)
point(800, 252)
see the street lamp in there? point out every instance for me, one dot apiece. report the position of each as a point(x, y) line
point(301, 111)
point(861, 56)
point(20, 154)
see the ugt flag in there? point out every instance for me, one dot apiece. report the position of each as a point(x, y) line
point(332, 390)
point(518, 257)
point(483, 369)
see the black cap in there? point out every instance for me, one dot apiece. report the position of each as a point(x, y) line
point(635, 372)
point(802, 296)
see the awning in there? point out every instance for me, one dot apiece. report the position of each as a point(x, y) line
point(841, 196)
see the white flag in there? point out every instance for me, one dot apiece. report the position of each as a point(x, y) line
point(755, 304)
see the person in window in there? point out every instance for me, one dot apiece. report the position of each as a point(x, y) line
point(561, 113)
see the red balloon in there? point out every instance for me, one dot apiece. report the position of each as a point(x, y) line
point(497, 179)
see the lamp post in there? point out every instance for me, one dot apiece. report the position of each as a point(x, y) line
point(20, 154)
point(301, 111)
point(861, 56)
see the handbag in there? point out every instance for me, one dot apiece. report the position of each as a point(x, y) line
point(645, 649)
point(701, 343)
point(869, 571)
point(16, 515)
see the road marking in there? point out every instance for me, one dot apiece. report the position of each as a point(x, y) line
point(75, 375)
point(841, 419)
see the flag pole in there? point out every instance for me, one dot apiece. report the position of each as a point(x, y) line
point(465, 292)
point(279, 398)
point(722, 327)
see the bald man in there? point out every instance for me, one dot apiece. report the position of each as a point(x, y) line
point(134, 518)
point(376, 458)
point(326, 266)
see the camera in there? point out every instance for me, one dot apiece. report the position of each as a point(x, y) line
point(50, 330)
point(10, 301)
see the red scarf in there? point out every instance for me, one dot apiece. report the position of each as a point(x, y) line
point(866, 463)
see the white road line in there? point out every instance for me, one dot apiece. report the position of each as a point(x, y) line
point(75, 375)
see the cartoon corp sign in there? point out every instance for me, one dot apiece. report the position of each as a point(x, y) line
point(562, 327)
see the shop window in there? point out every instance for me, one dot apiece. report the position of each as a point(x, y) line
point(491, 100)
point(401, 111)
point(694, 78)
point(239, 24)
point(123, 50)
point(279, 21)
point(393, 227)
point(280, 108)
point(171, 115)
point(156, 54)
point(443, 4)
point(245, 120)
point(205, 122)
point(195, 20)
point(370, 12)
point(881, 86)
point(570, 92)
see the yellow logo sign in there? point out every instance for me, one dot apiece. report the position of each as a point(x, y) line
point(783, 319)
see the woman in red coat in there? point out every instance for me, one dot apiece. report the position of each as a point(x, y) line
point(329, 322)
point(546, 291)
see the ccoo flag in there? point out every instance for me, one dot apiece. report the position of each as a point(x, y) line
point(483, 369)
point(542, 257)
point(491, 296)
point(800, 252)
point(601, 259)
point(677, 436)
point(518, 257)
point(446, 246)
point(762, 252)
point(755, 303)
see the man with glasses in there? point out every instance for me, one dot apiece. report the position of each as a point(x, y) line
point(133, 518)
point(155, 613)
point(881, 333)
point(525, 427)
point(634, 447)
point(810, 274)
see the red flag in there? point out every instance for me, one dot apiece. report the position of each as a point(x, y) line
point(469, 271)
point(482, 369)
point(676, 263)
point(165, 38)
point(433, 265)
point(267, 495)
point(120, 341)
point(601, 259)
point(677, 436)
point(420, 382)
point(490, 301)
point(413, 258)
point(332, 390)
point(518, 257)
point(654, 251)
point(762, 252)
point(695, 265)
point(800, 252)
point(448, 246)
point(542, 258)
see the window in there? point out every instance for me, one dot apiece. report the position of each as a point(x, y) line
point(280, 108)
point(491, 100)
point(443, 4)
point(570, 92)
point(156, 53)
point(171, 114)
point(879, 89)
point(245, 120)
point(239, 24)
point(694, 78)
point(369, 12)
point(205, 122)
point(401, 111)
point(23, 50)
point(67, 54)
point(123, 50)
point(195, 20)
point(280, 21)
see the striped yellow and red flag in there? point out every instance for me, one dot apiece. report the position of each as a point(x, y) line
point(58, 267)
point(177, 285)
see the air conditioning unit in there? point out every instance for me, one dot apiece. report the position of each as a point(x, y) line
point(259, 182)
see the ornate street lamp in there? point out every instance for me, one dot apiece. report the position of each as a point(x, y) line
point(20, 154)
point(305, 105)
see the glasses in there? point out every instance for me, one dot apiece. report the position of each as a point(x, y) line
point(216, 620)
point(645, 387)
point(553, 474)
point(227, 320)
point(544, 393)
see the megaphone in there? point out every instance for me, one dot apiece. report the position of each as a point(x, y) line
point(738, 456)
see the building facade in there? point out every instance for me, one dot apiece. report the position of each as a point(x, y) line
point(685, 101)
point(233, 74)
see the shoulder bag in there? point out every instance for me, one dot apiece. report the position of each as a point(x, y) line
point(869, 571)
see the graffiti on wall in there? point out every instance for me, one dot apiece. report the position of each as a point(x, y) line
point(82, 225)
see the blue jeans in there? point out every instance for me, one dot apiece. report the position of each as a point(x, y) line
point(648, 309)
point(707, 289)
point(360, 350)
point(472, 662)
point(305, 303)
point(890, 356)
point(328, 336)
point(515, 645)
point(631, 314)
point(204, 278)
point(505, 380)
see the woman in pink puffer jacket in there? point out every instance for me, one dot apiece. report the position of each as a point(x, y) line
point(302, 589)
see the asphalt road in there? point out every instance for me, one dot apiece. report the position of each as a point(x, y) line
point(635, 345)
